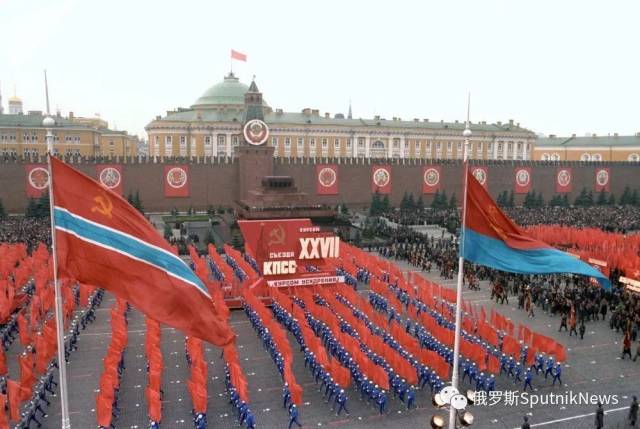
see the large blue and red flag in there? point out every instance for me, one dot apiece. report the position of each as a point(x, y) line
point(494, 240)
point(102, 240)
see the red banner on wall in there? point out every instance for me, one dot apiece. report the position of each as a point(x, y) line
point(110, 176)
point(381, 179)
point(327, 179)
point(602, 180)
point(522, 180)
point(481, 174)
point(37, 179)
point(176, 181)
point(430, 179)
point(563, 180)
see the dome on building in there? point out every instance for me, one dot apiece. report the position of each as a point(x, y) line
point(229, 92)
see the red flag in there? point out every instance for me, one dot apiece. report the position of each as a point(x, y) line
point(37, 179)
point(154, 405)
point(602, 180)
point(494, 365)
point(430, 179)
point(104, 406)
point(238, 56)
point(522, 180)
point(563, 180)
point(4, 421)
point(560, 352)
point(176, 181)
point(110, 176)
point(327, 179)
point(13, 392)
point(103, 240)
point(3, 363)
point(381, 179)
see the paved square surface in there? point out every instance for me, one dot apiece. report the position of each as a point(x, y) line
point(593, 366)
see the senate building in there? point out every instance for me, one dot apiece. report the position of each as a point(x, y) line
point(212, 127)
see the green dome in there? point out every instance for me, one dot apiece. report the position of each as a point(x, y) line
point(229, 92)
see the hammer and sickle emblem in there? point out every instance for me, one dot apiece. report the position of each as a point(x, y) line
point(276, 236)
point(104, 205)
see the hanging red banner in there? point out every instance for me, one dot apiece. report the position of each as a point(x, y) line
point(602, 180)
point(430, 179)
point(176, 181)
point(37, 179)
point(110, 176)
point(381, 179)
point(522, 180)
point(563, 180)
point(481, 174)
point(327, 179)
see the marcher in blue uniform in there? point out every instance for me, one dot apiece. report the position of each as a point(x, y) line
point(557, 374)
point(527, 379)
point(549, 370)
point(286, 395)
point(293, 416)
point(411, 397)
point(341, 400)
point(382, 401)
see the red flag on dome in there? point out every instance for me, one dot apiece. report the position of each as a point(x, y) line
point(235, 55)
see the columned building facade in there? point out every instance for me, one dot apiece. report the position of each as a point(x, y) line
point(212, 127)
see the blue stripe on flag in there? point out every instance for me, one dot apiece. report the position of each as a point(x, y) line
point(127, 245)
point(496, 254)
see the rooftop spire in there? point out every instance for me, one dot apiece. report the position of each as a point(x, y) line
point(350, 116)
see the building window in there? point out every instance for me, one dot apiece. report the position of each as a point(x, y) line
point(360, 142)
point(377, 149)
point(325, 143)
point(235, 141)
point(555, 157)
point(406, 145)
point(300, 144)
point(287, 142)
point(528, 147)
point(449, 146)
point(208, 147)
point(274, 141)
point(417, 146)
point(168, 146)
point(634, 157)
point(596, 157)
point(336, 144)
point(479, 147)
point(585, 157)
point(183, 145)
point(490, 148)
point(545, 157)
point(349, 142)
point(312, 143)
point(396, 143)
point(111, 143)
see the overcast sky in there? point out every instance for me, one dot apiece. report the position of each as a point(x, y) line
point(555, 66)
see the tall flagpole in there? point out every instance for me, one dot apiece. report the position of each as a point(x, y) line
point(48, 123)
point(456, 345)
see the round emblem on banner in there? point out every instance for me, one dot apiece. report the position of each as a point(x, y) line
point(564, 177)
point(431, 177)
point(480, 175)
point(256, 132)
point(602, 177)
point(39, 178)
point(327, 177)
point(523, 177)
point(110, 177)
point(381, 177)
point(176, 177)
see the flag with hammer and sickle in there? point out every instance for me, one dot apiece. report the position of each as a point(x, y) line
point(103, 241)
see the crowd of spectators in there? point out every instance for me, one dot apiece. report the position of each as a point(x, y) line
point(30, 231)
point(575, 300)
